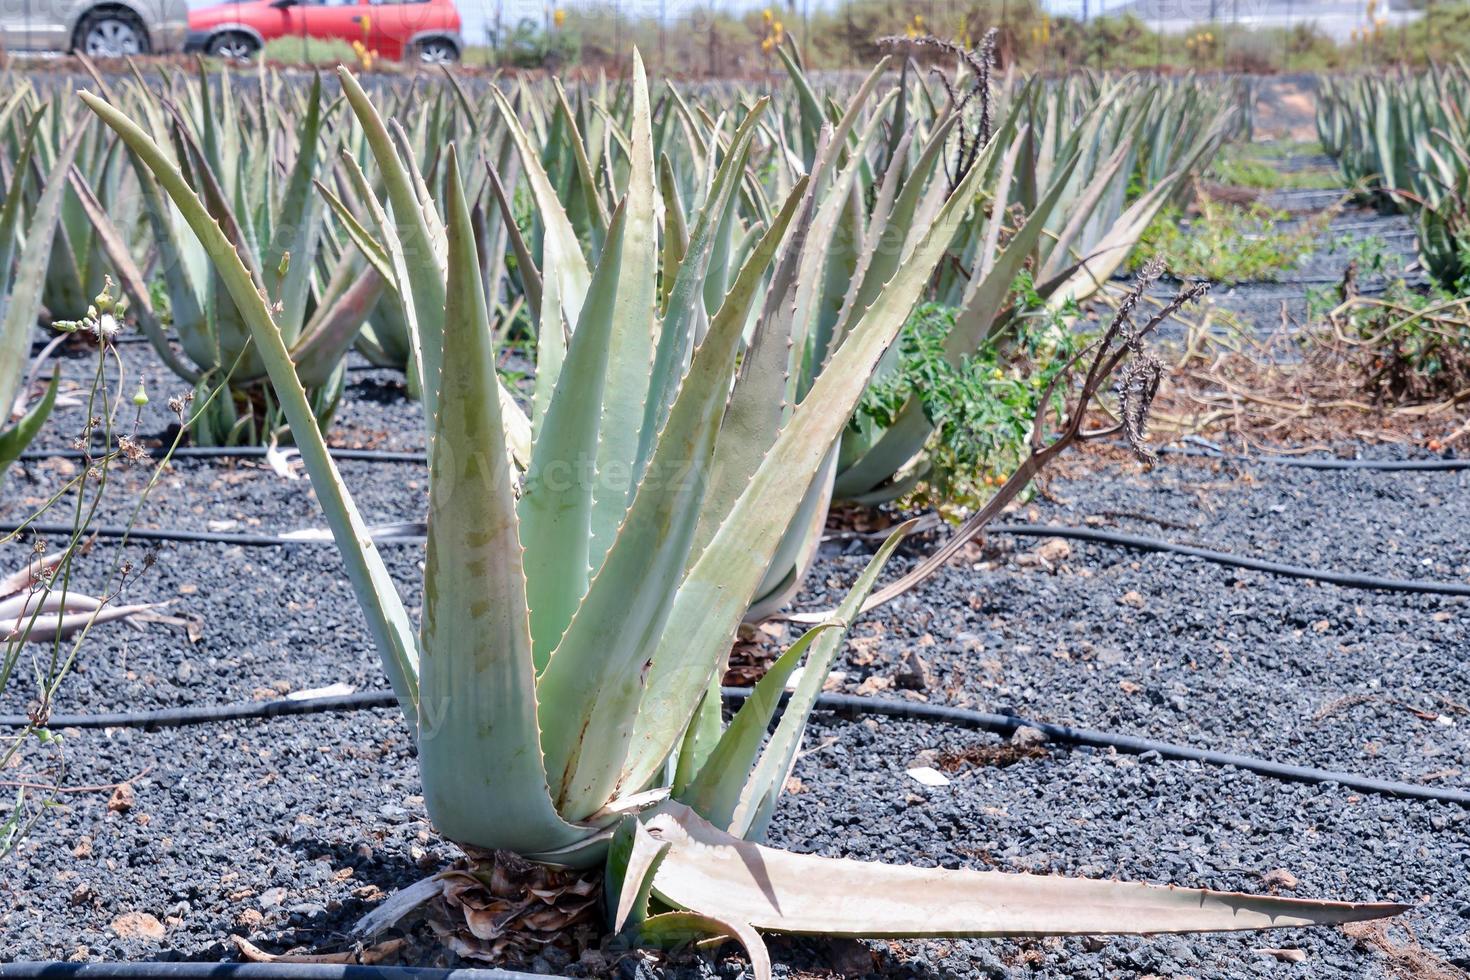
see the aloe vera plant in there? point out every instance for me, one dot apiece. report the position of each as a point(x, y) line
point(1070, 157)
point(581, 593)
point(277, 226)
point(25, 247)
point(1407, 140)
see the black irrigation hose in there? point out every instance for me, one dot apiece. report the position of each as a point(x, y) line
point(1350, 580)
point(411, 533)
point(1324, 463)
point(203, 714)
point(245, 971)
point(1000, 724)
point(240, 452)
point(417, 456)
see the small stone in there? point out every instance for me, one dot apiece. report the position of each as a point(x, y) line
point(1133, 598)
point(1284, 955)
point(874, 684)
point(272, 898)
point(122, 798)
point(81, 894)
point(1279, 878)
point(1054, 550)
point(83, 848)
point(913, 673)
point(1027, 737)
point(184, 672)
point(137, 925)
point(927, 776)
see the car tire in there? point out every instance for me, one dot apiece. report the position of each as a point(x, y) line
point(232, 46)
point(436, 51)
point(112, 33)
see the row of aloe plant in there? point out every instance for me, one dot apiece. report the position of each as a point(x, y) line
point(708, 310)
point(1406, 140)
point(1087, 161)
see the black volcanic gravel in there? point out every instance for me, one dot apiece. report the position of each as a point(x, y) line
point(287, 830)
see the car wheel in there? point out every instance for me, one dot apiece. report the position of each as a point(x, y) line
point(112, 34)
point(437, 51)
point(233, 47)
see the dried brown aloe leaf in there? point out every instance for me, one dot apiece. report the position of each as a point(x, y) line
point(708, 871)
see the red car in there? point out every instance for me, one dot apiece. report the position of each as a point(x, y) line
point(427, 29)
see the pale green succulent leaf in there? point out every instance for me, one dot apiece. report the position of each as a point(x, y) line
point(685, 304)
point(630, 360)
point(376, 592)
point(562, 256)
point(479, 736)
point(715, 791)
point(746, 808)
point(556, 507)
point(20, 308)
point(15, 439)
point(632, 858)
point(724, 577)
point(596, 676)
point(300, 220)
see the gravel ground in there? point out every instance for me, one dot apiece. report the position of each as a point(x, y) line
point(285, 831)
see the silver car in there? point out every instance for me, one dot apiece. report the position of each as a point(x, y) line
point(98, 28)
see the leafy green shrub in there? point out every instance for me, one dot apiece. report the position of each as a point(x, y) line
point(1229, 243)
point(1253, 165)
point(983, 409)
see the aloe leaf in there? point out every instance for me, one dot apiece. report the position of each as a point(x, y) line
point(23, 304)
point(371, 250)
point(530, 275)
point(596, 676)
point(632, 857)
point(424, 283)
point(631, 357)
point(722, 581)
point(300, 210)
point(672, 930)
point(704, 732)
point(676, 233)
point(16, 438)
point(755, 796)
point(591, 203)
point(483, 783)
point(758, 401)
point(706, 869)
point(376, 593)
point(977, 320)
point(324, 342)
point(685, 300)
point(556, 509)
point(798, 549)
point(10, 214)
point(562, 256)
point(715, 791)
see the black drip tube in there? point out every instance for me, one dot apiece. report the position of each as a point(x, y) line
point(1351, 580)
point(411, 532)
point(417, 456)
point(1000, 724)
point(175, 970)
